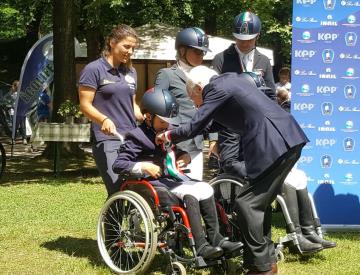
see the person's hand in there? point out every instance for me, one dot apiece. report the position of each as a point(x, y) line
point(160, 138)
point(183, 160)
point(108, 127)
point(213, 149)
point(151, 169)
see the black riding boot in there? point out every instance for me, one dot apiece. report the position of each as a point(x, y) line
point(307, 220)
point(209, 214)
point(203, 248)
point(290, 197)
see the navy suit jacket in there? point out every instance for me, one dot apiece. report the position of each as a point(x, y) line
point(233, 103)
point(228, 61)
point(140, 146)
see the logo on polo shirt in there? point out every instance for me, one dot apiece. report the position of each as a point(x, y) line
point(130, 81)
point(106, 81)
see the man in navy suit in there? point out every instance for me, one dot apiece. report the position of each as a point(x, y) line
point(272, 141)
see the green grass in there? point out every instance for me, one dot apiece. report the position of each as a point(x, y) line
point(48, 226)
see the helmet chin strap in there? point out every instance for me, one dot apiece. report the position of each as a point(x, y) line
point(151, 126)
point(185, 61)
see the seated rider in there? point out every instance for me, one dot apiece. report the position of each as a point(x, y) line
point(140, 155)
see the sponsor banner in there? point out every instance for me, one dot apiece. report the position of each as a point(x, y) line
point(37, 73)
point(325, 102)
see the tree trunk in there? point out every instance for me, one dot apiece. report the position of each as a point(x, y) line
point(94, 43)
point(64, 65)
point(64, 55)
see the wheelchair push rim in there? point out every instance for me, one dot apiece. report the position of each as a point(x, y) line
point(126, 234)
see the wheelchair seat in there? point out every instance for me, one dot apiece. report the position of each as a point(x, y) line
point(166, 198)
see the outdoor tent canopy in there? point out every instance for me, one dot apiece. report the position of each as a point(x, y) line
point(157, 50)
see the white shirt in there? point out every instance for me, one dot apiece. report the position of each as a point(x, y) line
point(246, 59)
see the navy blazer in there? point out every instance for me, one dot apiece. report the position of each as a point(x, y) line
point(228, 61)
point(267, 130)
point(140, 146)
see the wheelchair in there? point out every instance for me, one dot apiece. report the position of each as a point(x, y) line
point(138, 220)
point(226, 189)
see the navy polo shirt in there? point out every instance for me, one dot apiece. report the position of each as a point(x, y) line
point(115, 88)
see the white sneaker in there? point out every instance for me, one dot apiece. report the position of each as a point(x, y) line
point(24, 141)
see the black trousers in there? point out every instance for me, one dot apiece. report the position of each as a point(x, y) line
point(253, 209)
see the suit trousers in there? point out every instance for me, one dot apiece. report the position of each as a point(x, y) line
point(253, 210)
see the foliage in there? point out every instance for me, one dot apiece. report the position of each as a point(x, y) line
point(68, 108)
point(17, 16)
point(11, 22)
point(99, 16)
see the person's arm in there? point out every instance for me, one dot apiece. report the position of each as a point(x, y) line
point(213, 100)
point(86, 96)
point(138, 114)
point(217, 62)
point(127, 161)
point(162, 79)
point(269, 77)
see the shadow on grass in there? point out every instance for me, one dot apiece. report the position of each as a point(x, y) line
point(20, 170)
point(77, 247)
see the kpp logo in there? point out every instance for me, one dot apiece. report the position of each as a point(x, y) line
point(325, 142)
point(326, 90)
point(304, 54)
point(306, 159)
point(303, 107)
point(327, 37)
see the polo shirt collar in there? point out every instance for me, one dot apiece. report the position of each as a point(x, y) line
point(110, 68)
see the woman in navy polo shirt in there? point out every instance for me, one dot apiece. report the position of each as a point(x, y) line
point(107, 96)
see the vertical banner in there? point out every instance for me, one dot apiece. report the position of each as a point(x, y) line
point(326, 103)
point(37, 73)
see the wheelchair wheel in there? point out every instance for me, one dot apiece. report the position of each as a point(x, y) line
point(2, 160)
point(126, 233)
point(226, 188)
point(176, 268)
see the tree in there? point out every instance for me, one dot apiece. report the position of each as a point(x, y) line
point(64, 54)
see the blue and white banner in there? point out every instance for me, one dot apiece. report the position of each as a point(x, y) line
point(37, 73)
point(326, 103)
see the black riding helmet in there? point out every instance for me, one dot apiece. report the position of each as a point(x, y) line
point(259, 82)
point(192, 37)
point(162, 103)
point(247, 25)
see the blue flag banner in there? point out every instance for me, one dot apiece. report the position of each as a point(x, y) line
point(325, 102)
point(37, 73)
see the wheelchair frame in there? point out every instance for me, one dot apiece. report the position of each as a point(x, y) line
point(129, 248)
point(290, 237)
